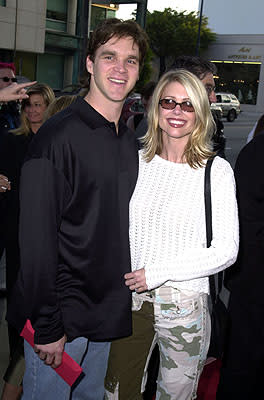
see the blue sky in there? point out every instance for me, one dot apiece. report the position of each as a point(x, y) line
point(125, 10)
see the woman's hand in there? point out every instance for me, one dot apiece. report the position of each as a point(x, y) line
point(4, 184)
point(136, 280)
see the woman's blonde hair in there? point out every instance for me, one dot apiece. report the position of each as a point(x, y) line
point(48, 96)
point(59, 104)
point(199, 145)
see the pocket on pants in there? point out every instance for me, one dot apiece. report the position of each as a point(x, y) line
point(179, 310)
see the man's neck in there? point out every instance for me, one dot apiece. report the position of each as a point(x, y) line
point(110, 110)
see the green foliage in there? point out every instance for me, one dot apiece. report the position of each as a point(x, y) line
point(146, 72)
point(173, 33)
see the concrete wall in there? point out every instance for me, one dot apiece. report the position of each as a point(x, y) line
point(22, 25)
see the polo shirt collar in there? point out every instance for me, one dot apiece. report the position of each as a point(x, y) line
point(92, 117)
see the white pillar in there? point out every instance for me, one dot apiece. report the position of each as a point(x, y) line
point(71, 20)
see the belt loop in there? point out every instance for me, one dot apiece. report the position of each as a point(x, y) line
point(175, 295)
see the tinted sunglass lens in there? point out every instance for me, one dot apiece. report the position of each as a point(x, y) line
point(6, 79)
point(187, 106)
point(168, 104)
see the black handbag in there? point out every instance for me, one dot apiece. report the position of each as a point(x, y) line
point(219, 314)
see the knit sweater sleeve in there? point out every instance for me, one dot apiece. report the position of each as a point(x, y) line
point(193, 263)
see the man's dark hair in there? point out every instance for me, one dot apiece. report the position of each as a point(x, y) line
point(197, 65)
point(114, 27)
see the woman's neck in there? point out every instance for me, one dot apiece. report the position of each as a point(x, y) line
point(173, 150)
point(35, 127)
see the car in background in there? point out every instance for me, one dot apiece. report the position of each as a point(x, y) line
point(217, 110)
point(230, 105)
point(132, 106)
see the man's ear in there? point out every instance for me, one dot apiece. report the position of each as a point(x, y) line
point(89, 65)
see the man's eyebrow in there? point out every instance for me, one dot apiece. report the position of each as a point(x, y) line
point(108, 52)
point(113, 53)
point(133, 56)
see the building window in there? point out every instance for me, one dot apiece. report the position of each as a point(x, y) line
point(3, 3)
point(56, 15)
point(101, 12)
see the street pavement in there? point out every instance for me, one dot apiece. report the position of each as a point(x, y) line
point(236, 134)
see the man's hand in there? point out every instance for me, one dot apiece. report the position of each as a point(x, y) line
point(51, 353)
point(136, 280)
point(4, 184)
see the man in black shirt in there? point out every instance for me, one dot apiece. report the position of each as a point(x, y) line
point(76, 184)
point(241, 375)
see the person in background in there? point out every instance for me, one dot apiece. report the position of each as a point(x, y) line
point(9, 112)
point(139, 122)
point(241, 375)
point(78, 177)
point(10, 93)
point(170, 260)
point(9, 115)
point(59, 104)
point(258, 128)
point(13, 150)
point(205, 71)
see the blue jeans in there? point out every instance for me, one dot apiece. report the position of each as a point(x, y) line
point(41, 382)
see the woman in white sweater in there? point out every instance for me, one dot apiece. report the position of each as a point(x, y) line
point(170, 260)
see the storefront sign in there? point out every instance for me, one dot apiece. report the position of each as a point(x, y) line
point(245, 55)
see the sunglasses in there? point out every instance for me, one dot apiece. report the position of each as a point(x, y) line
point(209, 89)
point(6, 79)
point(169, 104)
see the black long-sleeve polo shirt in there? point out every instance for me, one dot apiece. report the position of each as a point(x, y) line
point(76, 184)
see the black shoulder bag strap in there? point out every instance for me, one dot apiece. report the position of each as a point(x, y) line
point(209, 230)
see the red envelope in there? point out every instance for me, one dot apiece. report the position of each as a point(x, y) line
point(69, 370)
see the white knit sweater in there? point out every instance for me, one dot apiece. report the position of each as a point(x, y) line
point(167, 223)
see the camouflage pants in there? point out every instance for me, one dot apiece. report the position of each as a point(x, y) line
point(180, 323)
